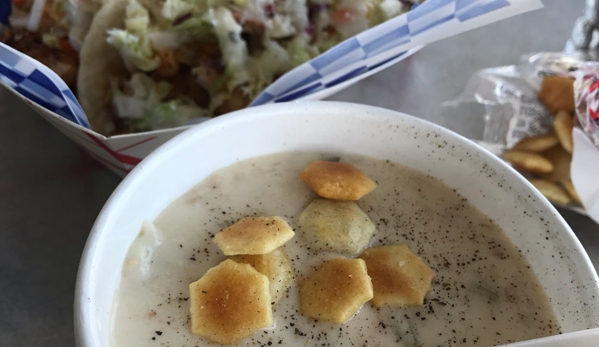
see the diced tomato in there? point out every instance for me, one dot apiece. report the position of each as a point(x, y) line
point(65, 47)
point(19, 3)
point(342, 15)
point(269, 10)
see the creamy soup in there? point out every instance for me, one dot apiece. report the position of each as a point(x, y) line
point(484, 291)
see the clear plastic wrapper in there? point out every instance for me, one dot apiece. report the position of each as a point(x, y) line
point(513, 111)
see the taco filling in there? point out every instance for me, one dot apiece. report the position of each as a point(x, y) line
point(202, 58)
point(49, 31)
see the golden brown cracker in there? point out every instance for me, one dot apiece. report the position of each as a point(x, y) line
point(528, 161)
point(335, 180)
point(254, 235)
point(339, 226)
point(561, 161)
point(399, 277)
point(563, 124)
point(335, 290)
point(552, 191)
point(557, 94)
point(537, 144)
point(229, 303)
point(274, 265)
point(569, 187)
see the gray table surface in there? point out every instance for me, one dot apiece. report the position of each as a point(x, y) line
point(51, 191)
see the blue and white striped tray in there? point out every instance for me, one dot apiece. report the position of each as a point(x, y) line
point(39, 84)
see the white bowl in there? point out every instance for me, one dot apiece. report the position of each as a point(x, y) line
point(530, 221)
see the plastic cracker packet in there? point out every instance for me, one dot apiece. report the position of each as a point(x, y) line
point(516, 120)
point(513, 110)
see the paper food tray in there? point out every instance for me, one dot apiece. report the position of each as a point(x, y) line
point(332, 71)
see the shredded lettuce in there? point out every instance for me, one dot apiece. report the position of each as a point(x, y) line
point(133, 41)
point(263, 69)
point(220, 82)
point(195, 25)
point(168, 114)
point(145, 88)
point(86, 5)
point(159, 92)
point(127, 107)
point(297, 10)
point(217, 99)
point(51, 40)
point(146, 109)
point(279, 26)
point(173, 9)
point(144, 94)
point(358, 23)
point(232, 46)
point(134, 50)
point(253, 10)
point(391, 8)
point(165, 39)
point(230, 4)
point(281, 34)
point(323, 2)
point(138, 18)
point(327, 42)
point(323, 40)
point(300, 52)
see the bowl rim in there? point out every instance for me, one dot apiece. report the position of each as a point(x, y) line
point(82, 314)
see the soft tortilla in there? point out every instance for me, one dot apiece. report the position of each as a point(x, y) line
point(100, 63)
